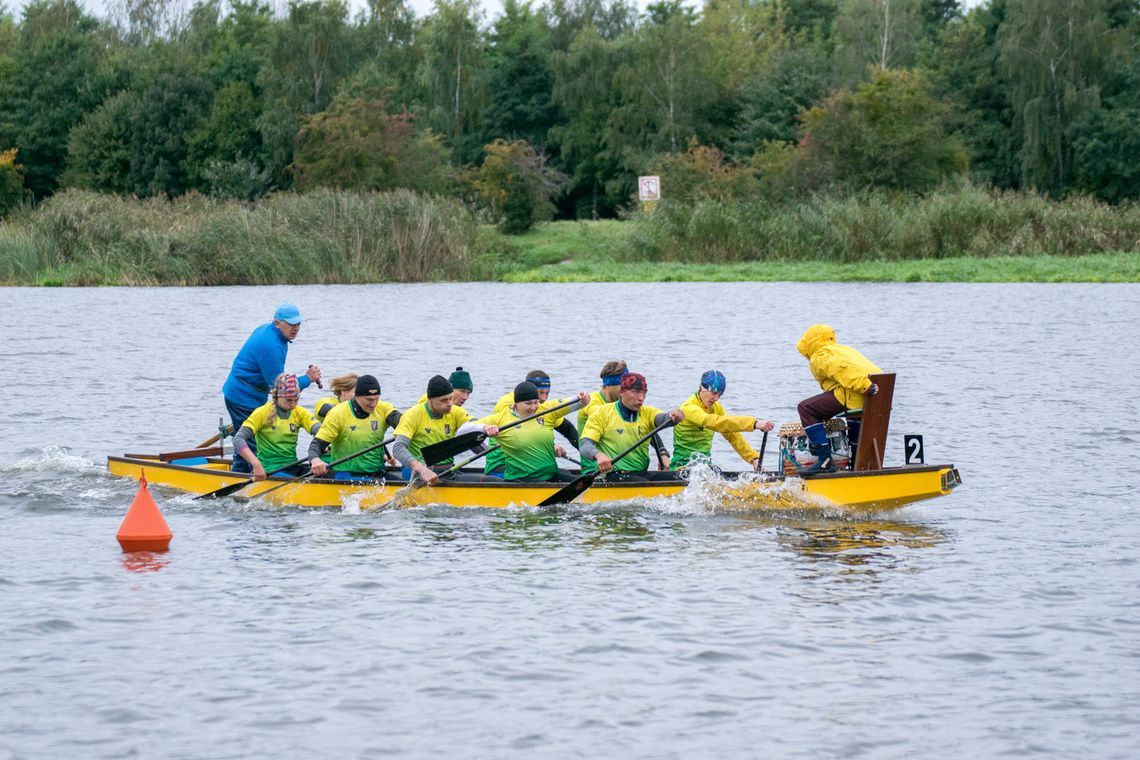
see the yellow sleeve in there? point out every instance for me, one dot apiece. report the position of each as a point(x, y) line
point(722, 423)
point(305, 420)
point(743, 448)
point(596, 403)
point(256, 419)
point(553, 418)
point(595, 428)
point(330, 429)
point(409, 422)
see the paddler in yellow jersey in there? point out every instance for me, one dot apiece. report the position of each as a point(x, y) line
point(528, 450)
point(461, 386)
point(704, 416)
point(612, 373)
point(843, 374)
point(343, 388)
point(496, 463)
point(352, 426)
point(432, 421)
point(614, 427)
point(267, 439)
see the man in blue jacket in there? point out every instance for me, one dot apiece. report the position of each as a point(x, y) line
point(260, 361)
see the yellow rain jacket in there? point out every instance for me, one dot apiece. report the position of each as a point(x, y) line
point(839, 369)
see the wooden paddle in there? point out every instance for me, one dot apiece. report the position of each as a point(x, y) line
point(444, 450)
point(216, 437)
point(414, 484)
point(332, 464)
point(235, 487)
point(572, 490)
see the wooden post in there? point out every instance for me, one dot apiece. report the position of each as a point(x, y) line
point(876, 422)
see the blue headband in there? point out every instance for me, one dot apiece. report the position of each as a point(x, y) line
point(540, 382)
point(613, 379)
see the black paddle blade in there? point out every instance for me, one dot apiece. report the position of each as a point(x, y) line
point(570, 491)
point(224, 491)
point(444, 450)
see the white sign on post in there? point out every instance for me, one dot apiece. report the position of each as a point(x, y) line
point(648, 189)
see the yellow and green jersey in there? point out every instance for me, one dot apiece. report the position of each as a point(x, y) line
point(695, 433)
point(322, 408)
point(527, 450)
point(422, 428)
point(347, 434)
point(613, 435)
point(277, 437)
point(497, 458)
point(596, 401)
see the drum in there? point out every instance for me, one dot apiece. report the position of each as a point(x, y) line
point(794, 445)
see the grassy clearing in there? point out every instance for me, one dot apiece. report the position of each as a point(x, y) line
point(1106, 267)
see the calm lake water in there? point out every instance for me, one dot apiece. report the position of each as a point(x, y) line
point(1003, 620)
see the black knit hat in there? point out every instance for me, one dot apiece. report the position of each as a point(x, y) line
point(526, 391)
point(367, 385)
point(438, 386)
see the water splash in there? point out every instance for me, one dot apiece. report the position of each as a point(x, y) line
point(52, 459)
point(710, 492)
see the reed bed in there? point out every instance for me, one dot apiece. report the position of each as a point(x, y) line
point(329, 236)
point(956, 222)
point(82, 238)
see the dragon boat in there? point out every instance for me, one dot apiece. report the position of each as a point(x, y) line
point(882, 489)
point(866, 486)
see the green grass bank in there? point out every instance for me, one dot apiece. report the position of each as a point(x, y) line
point(961, 234)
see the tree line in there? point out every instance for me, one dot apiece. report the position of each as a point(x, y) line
point(558, 107)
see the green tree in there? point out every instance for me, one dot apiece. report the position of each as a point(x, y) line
point(452, 51)
point(771, 100)
point(585, 91)
point(964, 71)
point(1053, 54)
point(228, 143)
point(99, 147)
point(50, 83)
point(704, 171)
point(167, 113)
point(889, 133)
point(665, 88)
point(1107, 140)
point(357, 145)
point(312, 50)
point(517, 185)
point(882, 33)
point(519, 76)
point(11, 182)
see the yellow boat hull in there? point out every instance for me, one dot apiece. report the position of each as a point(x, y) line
point(861, 491)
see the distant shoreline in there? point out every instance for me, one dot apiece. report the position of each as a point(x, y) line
point(335, 237)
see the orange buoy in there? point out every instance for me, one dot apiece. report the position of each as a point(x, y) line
point(144, 529)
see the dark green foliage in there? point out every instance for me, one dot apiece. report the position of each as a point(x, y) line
point(519, 78)
point(1033, 94)
point(48, 86)
point(166, 114)
point(1107, 143)
point(771, 101)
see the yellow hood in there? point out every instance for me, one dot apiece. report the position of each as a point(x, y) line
point(814, 338)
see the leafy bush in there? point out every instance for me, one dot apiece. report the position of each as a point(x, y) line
point(516, 185)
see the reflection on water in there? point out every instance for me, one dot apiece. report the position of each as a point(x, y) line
point(144, 562)
point(857, 544)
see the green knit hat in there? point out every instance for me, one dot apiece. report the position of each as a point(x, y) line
point(461, 379)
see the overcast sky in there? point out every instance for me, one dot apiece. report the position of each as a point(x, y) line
point(491, 8)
